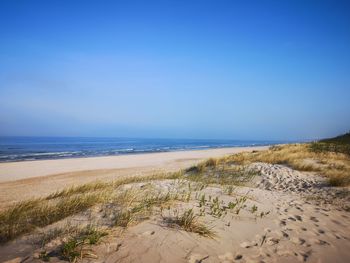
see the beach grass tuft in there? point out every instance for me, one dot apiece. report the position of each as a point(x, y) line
point(188, 221)
point(78, 246)
point(216, 171)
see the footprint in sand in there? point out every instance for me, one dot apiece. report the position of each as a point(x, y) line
point(303, 256)
point(272, 241)
point(267, 230)
point(197, 258)
point(320, 242)
point(148, 233)
point(298, 217)
point(312, 218)
point(228, 256)
point(284, 234)
point(337, 237)
point(298, 241)
point(321, 231)
point(300, 209)
point(336, 222)
point(245, 245)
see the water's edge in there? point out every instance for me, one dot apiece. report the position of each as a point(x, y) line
point(13, 149)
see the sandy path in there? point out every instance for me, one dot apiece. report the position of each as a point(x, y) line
point(23, 180)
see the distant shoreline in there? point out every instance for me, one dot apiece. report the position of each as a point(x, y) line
point(18, 149)
point(130, 153)
point(10, 171)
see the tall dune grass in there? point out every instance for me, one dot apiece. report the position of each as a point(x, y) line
point(334, 165)
point(25, 216)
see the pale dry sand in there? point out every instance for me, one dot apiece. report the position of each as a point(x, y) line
point(23, 180)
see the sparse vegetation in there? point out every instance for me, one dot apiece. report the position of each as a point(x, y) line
point(138, 209)
point(219, 172)
point(44, 256)
point(78, 243)
point(75, 249)
point(303, 157)
point(217, 208)
point(229, 189)
point(254, 209)
point(339, 144)
point(92, 235)
point(25, 216)
point(99, 186)
point(341, 139)
point(49, 235)
point(188, 221)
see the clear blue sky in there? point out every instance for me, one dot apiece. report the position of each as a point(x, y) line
point(175, 69)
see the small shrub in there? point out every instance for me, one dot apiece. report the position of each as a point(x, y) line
point(44, 256)
point(254, 209)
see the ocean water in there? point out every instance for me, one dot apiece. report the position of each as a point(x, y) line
point(43, 148)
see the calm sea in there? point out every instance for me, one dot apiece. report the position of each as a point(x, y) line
point(39, 148)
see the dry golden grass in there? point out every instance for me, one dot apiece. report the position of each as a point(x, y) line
point(218, 172)
point(188, 221)
point(25, 216)
point(138, 205)
point(335, 166)
point(130, 206)
point(98, 186)
point(302, 157)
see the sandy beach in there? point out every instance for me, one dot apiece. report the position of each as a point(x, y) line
point(23, 180)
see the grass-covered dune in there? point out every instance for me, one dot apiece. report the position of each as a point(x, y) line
point(341, 139)
point(328, 157)
point(339, 144)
